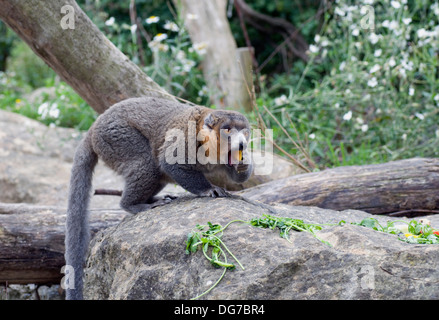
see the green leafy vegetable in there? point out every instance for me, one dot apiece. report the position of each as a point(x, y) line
point(286, 224)
point(208, 237)
point(418, 233)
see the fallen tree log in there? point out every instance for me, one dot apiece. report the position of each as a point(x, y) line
point(32, 241)
point(32, 237)
point(406, 186)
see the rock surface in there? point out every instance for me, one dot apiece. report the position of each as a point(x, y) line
point(144, 257)
point(36, 164)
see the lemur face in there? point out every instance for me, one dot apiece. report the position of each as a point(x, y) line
point(228, 138)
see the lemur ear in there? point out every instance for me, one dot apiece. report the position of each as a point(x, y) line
point(210, 120)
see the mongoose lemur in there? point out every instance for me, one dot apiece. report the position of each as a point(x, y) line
point(132, 138)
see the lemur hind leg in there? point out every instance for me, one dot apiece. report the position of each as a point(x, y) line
point(129, 153)
point(142, 183)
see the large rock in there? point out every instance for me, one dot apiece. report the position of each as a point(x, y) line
point(36, 164)
point(144, 257)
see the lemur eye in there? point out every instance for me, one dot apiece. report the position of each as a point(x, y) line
point(226, 130)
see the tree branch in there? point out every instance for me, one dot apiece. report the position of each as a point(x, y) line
point(83, 57)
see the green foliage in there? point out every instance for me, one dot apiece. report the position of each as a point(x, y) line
point(28, 69)
point(169, 57)
point(417, 232)
point(62, 107)
point(366, 96)
point(65, 109)
point(286, 224)
point(211, 239)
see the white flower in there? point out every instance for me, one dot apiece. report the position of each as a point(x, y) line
point(342, 66)
point(203, 92)
point(372, 82)
point(339, 12)
point(312, 136)
point(152, 19)
point(411, 91)
point(408, 65)
point(374, 38)
point(420, 116)
point(158, 46)
point(359, 120)
point(316, 38)
point(392, 62)
point(181, 55)
point(402, 72)
point(46, 109)
point(281, 100)
point(435, 8)
point(325, 43)
point(395, 4)
point(368, 1)
point(313, 48)
point(355, 32)
point(43, 109)
point(436, 97)
point(404, 136)
point(133, 28)
point(337, 105)
point(163, 47)
point(188, 64)
point(172, 26)
point(160, 37)
point(54, 111)
point(393, 25)
point(110, 21)
point(364, 127)
point(378, 53)
point(422, 33)
point(406, 21)
point(347, 116)
point(375, 68)
point(200, 48)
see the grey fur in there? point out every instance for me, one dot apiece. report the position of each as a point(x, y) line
point(130, 138)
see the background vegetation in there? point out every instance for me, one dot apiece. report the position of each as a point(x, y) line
point(364, 96)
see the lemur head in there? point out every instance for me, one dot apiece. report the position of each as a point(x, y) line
point(226, 137)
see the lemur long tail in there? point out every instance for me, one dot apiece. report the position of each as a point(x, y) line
point(77, 228)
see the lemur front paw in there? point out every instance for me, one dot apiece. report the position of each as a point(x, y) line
point(216, 192)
